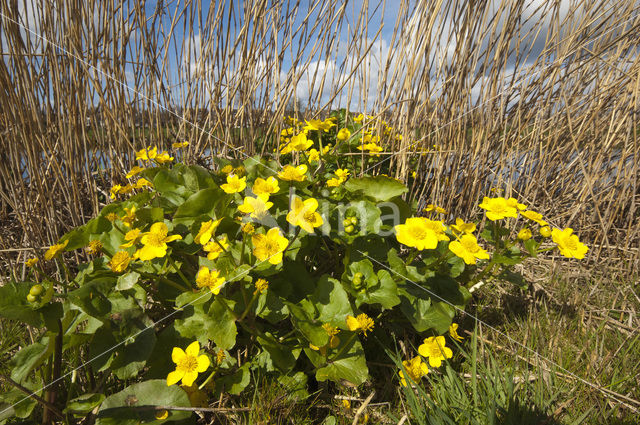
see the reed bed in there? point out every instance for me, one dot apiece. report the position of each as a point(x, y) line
point(537, 99)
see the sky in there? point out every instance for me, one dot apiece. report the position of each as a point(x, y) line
point(379, 38)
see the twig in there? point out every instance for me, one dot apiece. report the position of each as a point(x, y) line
point(362, 408)
point(28, 392)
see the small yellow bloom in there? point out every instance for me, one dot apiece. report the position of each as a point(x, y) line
point(545, 231)
point(359, 118)
point(179, 145)
point(453, 332)
point(120, 261)
point(269, 246)
point(499, 208)
point(319, 125)
point(111, 217)
point(257, 207)
point(142, 155)
point(214, 249)
point(432, 207)
point(534, 216)
point(188, 364)
point(131, 237)
point(207, 230)
point(220, 355)
point(362, 322)
point(343, 134)
point(435, 350)
point(417, 232)
point(134, 171)
point(227, 169)
point(94, 247)
point(568, 243)
point(211, 279)
point(313, 155)
point(334, 182)
point(248, 228)
point(261, 285)
point(290, 173)
point(265, 187)
point(55, 250)
point(234, 184)
point(327, 149)
point(129, 216)
point(155, 242)
point(115, 189)
point(299, 142)
point(468, 249)
point(415, 368)
point(31, 262)
point(163, 157)
point(303, 214)
point(142, 183)
point(524, 234)
point(462, 227)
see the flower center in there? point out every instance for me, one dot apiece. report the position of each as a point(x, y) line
point(418, 232)
point(571, 244)
point(188, 363)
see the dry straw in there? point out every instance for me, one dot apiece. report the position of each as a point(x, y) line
point(553, 122)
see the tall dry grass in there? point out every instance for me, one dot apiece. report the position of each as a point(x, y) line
point(537, 98)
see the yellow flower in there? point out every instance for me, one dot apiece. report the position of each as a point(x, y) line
point(142, 183)
point(334, 182)
point(134, 171)
point(31, 262)
point(142, 154)
point(432, 207)
point(258, 207)
point(269, 246)
point(290, 173)
point(234, 184)
point(462, 227)
point(415, 368)
point(179, 145)
point(313, 155)
point(163, 157)
point(188, 364)
point(524, 234)
point(568, 243)
point(129, 216)
point(435, 350)
point(94, 247)
point(326, 149)
point(220, 355)
point(534, 216)
point(499, 208)
point(120, 261)
point(55, 250)
point(513, 202)
point(343, 134)
point(303, 214)
point(265, 187)
point(248, 228)
point(131, 236)
point(359, 118)
point(438, 227)
point(214, 249)
point(115, 189)
point(261, 285)
point(155, 242)
point(227, 169)
point(319, 125)
point(342, 174)
point(453, 332)
point(362, 323)
point(207, 230)
point(111, 217)
point(468, 249)
point(299, 142)
point(545, 231)
point(418, 233)
point(211, 279)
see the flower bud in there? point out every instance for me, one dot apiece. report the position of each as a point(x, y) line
point(36, 290)
point(524, 234)
point(545, 231)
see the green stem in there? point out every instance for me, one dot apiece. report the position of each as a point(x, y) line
point(206, 381)
point(295, 236)
point(482, 274)
point(246, 310)
point(412, 256)
point(163, 279)
point(182, 276)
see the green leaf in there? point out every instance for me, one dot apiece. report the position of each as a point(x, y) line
point(385, 292)
point(14, 304)
point(15, 403)
point(118, 409)
point(379, 188)
point(295, 386)
point(202, 202)
point(332, 301)
point(351, 367)
point(30, 357)
point(236, 382)
point(132, 356)
point(197, 178)
point(84, 404)
point(127, 280)
point(224, 331)
point(205, 321)
point(283, 356)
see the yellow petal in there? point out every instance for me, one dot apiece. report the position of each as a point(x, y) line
point(174, 377)
point(189, 377)
point(203, 363)
point(177, 354)
point(193, 349)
